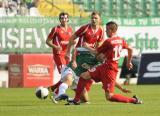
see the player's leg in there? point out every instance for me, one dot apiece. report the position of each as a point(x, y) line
point(66, 79)
point(53, 91)
point(67, 82)
point(109, 85)
point(59, 64)
point(83, 80)
point(84, 97)
point(121, 98)
point(53, 87)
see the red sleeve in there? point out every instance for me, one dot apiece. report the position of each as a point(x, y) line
point(125, 45)
point(81, 30)
point(103, 47)
point(52, 34)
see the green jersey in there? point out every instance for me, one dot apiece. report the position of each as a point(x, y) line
point(85, 60)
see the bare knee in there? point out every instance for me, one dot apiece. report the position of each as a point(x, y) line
point(68, 80)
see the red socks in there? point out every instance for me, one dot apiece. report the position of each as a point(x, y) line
point(80, 87)
point(121, 98)
point(56, 85)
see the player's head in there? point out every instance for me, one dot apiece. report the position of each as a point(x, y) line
point(63, 17)
point(95, 18)
point(111, 28)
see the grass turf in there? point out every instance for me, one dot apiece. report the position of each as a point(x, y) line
point(22, 102)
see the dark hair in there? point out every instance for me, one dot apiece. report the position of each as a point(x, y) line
point(96, 13)
point(112, 25)
point(62, 14)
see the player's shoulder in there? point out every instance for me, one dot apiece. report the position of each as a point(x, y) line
point(85, 25)
point(70, 27)
point(58, 26)
point(55, 28)
point(121, 39)
point(116, 40)
point(101, 28)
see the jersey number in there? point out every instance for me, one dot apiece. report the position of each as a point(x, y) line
point(117, 50)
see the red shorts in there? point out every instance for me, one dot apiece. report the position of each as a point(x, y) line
point(59, 61)
point(104, 74)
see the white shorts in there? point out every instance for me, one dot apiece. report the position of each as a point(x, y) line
point(67, 70)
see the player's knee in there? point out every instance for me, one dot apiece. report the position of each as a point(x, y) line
point(68, 80)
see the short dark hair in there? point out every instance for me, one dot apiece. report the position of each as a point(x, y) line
point(62, 14)
point(113, 26)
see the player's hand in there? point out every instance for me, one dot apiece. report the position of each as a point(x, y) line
point(124, 90)
point(59, 48)
point(74, 64)
point(129, 65)
point(100, 57)
point(85, 45)
point(67, 58)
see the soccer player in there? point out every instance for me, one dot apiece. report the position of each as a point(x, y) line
point(69, 75)
point(93, 34)
point(70, 78)
point(58, 39)
point(106, 72)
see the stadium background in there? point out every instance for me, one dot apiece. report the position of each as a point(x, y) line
point(24, 25)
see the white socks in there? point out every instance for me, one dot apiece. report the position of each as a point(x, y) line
point(62, 89)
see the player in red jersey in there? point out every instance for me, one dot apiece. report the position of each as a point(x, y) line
point(58, 39)
point(91, 33)
point(107, 72)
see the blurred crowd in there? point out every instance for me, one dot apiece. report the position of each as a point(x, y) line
point(19, 8)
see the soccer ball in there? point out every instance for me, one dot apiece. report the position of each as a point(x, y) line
point(42, 92)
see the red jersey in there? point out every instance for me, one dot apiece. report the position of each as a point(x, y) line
point(60, 37)
point(112, 48)
point(87, 34)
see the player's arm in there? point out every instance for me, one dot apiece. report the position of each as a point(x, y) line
point(74, 56)
point(101, 39)
point(99, 44)
point(129, 59)
point(51, 36)
point(50, 44)
point(100, 57)
point(92, 50)
point(101, 49)
point(121, 88)
point(70, 45)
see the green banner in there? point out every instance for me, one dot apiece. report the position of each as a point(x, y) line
point(28, 34)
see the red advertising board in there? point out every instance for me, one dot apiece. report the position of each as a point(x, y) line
point(30, 70)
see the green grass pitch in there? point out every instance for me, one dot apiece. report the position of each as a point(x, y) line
point(22, 102)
